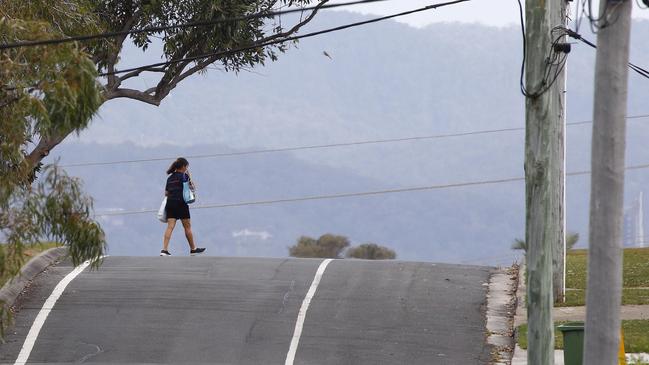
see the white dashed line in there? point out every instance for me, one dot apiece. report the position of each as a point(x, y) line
point(290, 356)
point(34, 331)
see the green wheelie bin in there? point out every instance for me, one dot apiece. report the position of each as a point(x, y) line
point(573, 343)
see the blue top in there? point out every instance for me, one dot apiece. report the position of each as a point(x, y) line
point(174, 186)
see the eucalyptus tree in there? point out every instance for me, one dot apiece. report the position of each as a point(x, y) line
point(179, 44)
point(50, 92)
point(43, 92)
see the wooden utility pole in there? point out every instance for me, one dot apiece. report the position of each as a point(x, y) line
point(604, 290)
point(543, 177)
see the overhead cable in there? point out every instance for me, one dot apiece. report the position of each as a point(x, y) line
point(203, 23)
point(604, 20)
point(554, 63)
point(322, 197)
point(640, 70)
point(282, 40)
point(350, 195)
point(323, 146)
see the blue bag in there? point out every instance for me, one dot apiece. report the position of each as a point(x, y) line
point(188, 194)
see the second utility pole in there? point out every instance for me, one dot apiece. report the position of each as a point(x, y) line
point(604, 291)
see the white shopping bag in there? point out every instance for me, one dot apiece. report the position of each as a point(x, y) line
point(162, 212)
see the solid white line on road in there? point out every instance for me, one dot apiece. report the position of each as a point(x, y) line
point(34, 331)
point(290, 356)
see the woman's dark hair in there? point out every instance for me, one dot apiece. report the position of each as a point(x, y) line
point(178, 164)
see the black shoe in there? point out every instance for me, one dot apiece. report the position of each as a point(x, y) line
point(196, 251)
point(164, 253)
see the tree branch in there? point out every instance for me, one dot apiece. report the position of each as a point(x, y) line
point(161, 93)
point(163, 90)
point(45, 145)
point(297, 26)
point(137, 73)
point(142, 96)
point(115, 81)
point(153, 96)
point(9, 101)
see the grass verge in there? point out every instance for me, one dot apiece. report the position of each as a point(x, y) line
point(636, 336)
point(30, 252)
point(577, 297)
point(635, 277)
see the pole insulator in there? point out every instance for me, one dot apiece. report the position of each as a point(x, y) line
point(564, 47)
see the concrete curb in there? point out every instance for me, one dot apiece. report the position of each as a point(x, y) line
point(521, 313)
point(501, 304)
point(12, 289)
point(520, 356)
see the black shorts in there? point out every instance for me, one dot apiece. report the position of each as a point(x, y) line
point(177, 209)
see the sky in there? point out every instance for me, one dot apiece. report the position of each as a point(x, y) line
point(488, 12)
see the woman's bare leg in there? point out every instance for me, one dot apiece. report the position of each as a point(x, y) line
point(187, 224)
point(171, 223)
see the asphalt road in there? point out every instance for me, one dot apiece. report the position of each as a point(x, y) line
point(207, 310)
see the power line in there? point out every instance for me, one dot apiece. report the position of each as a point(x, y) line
point(641, 71)
point(324, 146)
point(268, 14)
point(283, 40)
point(556, 59)
point(298, 148)
point(324, 197)
point(603, 20)
point(351, 195)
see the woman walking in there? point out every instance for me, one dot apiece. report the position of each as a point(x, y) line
point(176, 207)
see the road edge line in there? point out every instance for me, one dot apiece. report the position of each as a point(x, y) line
point(299, 324)
point(37, 325)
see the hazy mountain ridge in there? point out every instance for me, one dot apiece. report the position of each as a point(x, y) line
point(386, 80)
point(415, 224)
